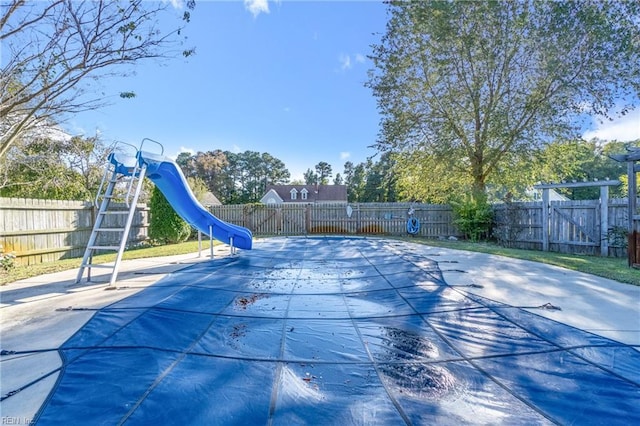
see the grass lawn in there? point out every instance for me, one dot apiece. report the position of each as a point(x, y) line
point(612, 268)
point(21, 272)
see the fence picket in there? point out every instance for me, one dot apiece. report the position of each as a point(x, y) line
point(47, 230)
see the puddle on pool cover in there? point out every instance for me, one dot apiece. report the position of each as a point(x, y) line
point(419, 380)
point(406, 356)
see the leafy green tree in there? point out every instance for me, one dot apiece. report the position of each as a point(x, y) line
point(165, 225)
point(232, 184)
point(350, 181)
point(247, 175)
point(209, 167)
point(578, 160)
point(187, 163)
point(310, 177)
point(275, 170)
point(324, 172)
point(235, 178)
point(55, 52)
point(53, 168)
point(381, 180)
point(356, 188)
point(469, 87)
point(198, 187)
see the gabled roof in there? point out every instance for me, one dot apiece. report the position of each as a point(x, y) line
point(271, 197)
point(314, 194)
point(210, 199)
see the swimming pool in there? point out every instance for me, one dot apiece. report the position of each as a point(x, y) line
point(334, 331)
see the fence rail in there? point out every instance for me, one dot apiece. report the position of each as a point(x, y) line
point(47, 230)
point(39, 231)
point(339, 218)
point(574, 226)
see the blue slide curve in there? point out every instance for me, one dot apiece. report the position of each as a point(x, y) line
point(168, 177)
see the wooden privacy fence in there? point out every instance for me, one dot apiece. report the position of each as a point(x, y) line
point(339, 218)
point(39, 231)
point(44, 230)
point(580, 227)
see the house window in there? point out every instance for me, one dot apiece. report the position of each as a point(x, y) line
point(303, 193)
point(294, 194)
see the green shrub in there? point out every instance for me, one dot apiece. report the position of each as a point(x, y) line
point(165, 226)
point(7, 260)
point(473, 216)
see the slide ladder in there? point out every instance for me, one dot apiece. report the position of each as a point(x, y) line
point(119, 169)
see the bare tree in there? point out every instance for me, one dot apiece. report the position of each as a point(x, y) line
point(55, 51)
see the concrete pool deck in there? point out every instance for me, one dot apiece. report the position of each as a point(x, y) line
point(43, 312)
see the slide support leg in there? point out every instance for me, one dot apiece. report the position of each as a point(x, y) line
point(211, 240)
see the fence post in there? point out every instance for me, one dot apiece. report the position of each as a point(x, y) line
point(632, 185)
point(545, 219)
point(604, 221)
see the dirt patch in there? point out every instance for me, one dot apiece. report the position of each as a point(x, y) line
point(243, 301)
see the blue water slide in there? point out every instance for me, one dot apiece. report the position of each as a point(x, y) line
point(168, 177)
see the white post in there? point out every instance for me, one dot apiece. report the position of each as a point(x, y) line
point(199, 243)
point(211, 241)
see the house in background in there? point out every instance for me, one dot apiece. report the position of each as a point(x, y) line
point(210, 200)
point(278, 194)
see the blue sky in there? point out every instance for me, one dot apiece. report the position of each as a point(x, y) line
point(284, 77)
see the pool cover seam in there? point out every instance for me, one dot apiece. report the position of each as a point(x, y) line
point(67, 361)
point(374, 364)
point(551, 342)
point(181, 355)
point(273, 401)
point(303, 360)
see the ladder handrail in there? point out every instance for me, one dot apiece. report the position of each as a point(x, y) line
point(104, 177)
point(127, 226)
point(151, 140)
point(135, 173)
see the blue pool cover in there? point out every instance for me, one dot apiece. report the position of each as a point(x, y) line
point(334, 331)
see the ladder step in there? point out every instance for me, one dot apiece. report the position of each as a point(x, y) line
point(104, 247)
point(99, 265)
point(116, 212)
point(109, 229)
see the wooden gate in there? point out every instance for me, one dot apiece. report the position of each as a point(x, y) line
point(573, 223)
point(581, 225)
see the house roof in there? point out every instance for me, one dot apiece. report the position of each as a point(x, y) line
point(314, 194)
point(210, 200)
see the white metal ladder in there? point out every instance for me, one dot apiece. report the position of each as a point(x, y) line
point(135, 177)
